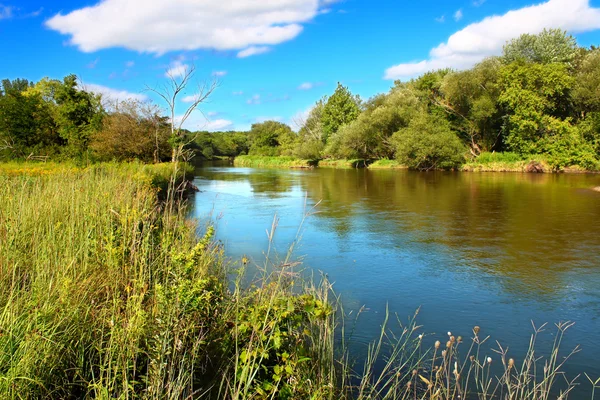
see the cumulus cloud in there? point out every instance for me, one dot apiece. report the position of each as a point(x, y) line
point(159, 26)
point(130, 64)
point(218, 125)
point(253, 51)
point(441, 19)
point(198, 121)
point(177, 69)
point(112, 95)
point(486, 38)
point(219, 74)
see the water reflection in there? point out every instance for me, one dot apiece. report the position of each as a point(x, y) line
point(497, 250)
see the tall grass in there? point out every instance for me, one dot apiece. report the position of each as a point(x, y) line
point(109, 292)
point(273, 162)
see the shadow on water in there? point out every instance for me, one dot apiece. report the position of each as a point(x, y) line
point(489, 249)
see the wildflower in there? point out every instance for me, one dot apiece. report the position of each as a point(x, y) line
point(449, 333)
point(437, 344)
point(476, 330)
point(444, 353)
point(511, 363)
point(421, 336)
point(489, 360)
point(452, 339)
point(448, 344)
point(459, 339)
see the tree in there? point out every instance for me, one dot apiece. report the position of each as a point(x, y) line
point(341, 108)
point(536, 98)
point(549, 46)
point(271, 138)
point(132, 130)
point(78, 114)
point(27, 127)
point(369, 136)
point(170, 92)
point(586, 91)
point(429, 143)
point(470, 99)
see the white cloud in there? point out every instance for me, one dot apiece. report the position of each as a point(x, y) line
point(306, 86)
point(110, 94)
point(219, 74)
point(218, 125)
point(458, 15)
point(260, 120)
point(130, 64)
point(189, 99)
point(197, 121)
point(486, 38)
point(477, 3)
point(239, 93)
point(177, 69)
point(253, 51)
point(254, 99)
point(6, 12)
point(159, 26)
point(212, 113)
point(441, 19)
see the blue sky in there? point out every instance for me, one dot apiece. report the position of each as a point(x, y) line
point(273, 58)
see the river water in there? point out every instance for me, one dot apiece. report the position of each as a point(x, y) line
point(497, 250)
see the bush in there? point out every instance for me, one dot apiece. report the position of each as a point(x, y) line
point(429, 143)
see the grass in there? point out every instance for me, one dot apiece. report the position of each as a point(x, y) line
point(507, 162)
point(354, 163)
point(272, 162)
point(387, 164)
point(108, 292)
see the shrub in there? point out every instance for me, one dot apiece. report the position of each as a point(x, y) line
point(429, 143)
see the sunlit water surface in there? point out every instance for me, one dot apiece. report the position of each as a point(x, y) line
point(498, 250)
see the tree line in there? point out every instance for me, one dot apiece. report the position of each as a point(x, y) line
point(541, 97)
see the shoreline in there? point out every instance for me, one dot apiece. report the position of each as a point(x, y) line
point(284, 162)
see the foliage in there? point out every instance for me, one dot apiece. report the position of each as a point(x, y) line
point(271, 161)
point(369, 136)
point(340, 108)
point(271, 138)
point(470, 98)
point(549, 46)
point(586, 91)
point(133, 130)
point(429, 143)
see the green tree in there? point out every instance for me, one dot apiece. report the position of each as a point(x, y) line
point(78, 115)
point(27, 127)
point(369, 136)
point(586, 91)
point(470, 98)
point(536, 98)
point(549, 46)
point(271, 138)
point(341, 108)
point(429, 143)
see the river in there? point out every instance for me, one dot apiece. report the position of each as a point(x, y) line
point(497, 250)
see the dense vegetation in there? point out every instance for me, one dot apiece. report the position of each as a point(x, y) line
point(539, 101)
point(108, 292)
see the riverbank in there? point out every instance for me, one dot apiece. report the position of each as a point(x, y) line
point(273, 162)
point(486, 162)
point(111, 292)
